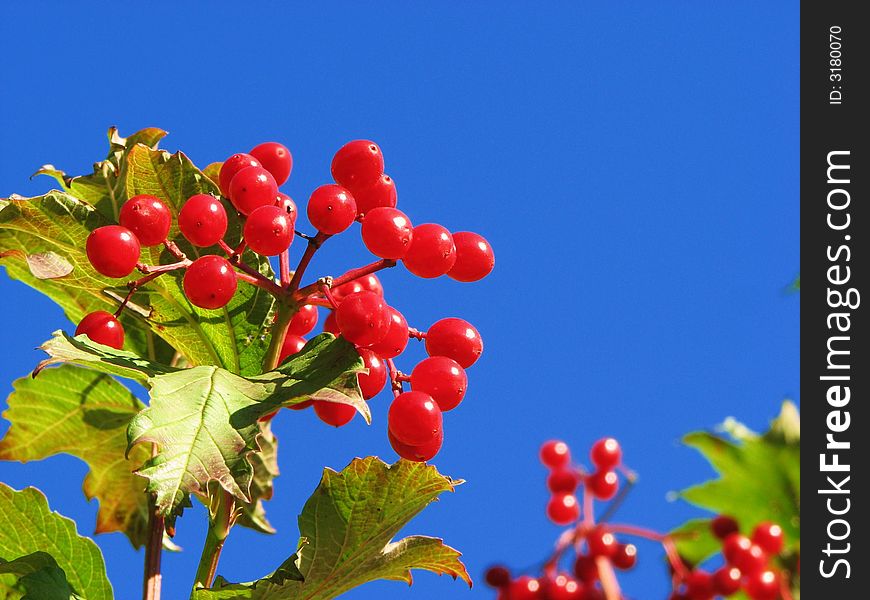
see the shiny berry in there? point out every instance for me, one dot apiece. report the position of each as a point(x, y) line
point(286, 204)
point(304, 320)
point(103, 328)
point(210, 282)
point(563, 508)
point(443, 379)
point(251, 188)
point(700, 585)
point(601, 542)
point(372, 383)
point(380, 193)
point(603, 484)
point(113, 250)
point(739, 551)
point(334, 413)
point(268, 230)
point(366, 283)
point(769, 536)
point(525, 588)
point(292, 344)
point(763, 585)
point(727, 580)
point(606, 453)
point(331, 209)
point(233, 165)
point(561, 587)
point(431, 253)
point(722, 526)
point(456, 339)
point(419, 453)
point(555, 454)
point(497, 576)
point(203, 220)
point(585, 568)
point(396, 338)
point(625, 556)
point(474, 257)
point(387, 232)
point(357, 164)
point(330, 326)
point(563, 479)
point(363, 318)
point(147, 217)
point(275, 158)
point(414, 418)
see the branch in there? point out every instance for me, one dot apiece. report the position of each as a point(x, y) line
point(312, 247)
point(153, 549)
point(378, 265)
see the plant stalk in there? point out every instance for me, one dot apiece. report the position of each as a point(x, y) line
point(279, 332)
point(153, 549)
point(218, 529)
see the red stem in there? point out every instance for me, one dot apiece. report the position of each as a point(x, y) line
point(416, 334)
point(674, 558)
point(308, 290)
point(312, 247)
point(637, 531)
point(394, 378)
point(284, 262)
point(257, 278)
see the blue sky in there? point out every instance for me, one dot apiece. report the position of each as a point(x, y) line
point(634, 165)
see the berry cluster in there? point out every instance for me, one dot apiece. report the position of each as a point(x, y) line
point(598, 553)
point(359, 313)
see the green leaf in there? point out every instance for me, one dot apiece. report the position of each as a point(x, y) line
point(83, 413)
point(234, 337)
point(204, 420)
point(759, 480)
point(34, 577)
point(347, 527)
point(27, 525)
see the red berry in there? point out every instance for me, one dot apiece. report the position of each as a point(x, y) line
point(723, 526)
point(396, 338)
point(288, 206)
point(363, 318)
point(268, 230)
point(727, 580)
point(625, 556)
point(585, 568)
point(304, 320)
point(763, 585)
point(606, 453)
point(331, 209)
point(563, 508)
point(740, 552)
point(563, 479)
point(414, 418)
point(210, 282)
point(102, 328)
point(443, 379)
point(233, 165)
point(603, 484)
point(203, 220)
point(251, 188)
point(561, 587)
point(113, 250)
point(147, 217)
point(302, 405)
point(275, 158)
point(555, 454)
point(456, 339)
point(432, 252)
point(497, 576)
point(601, 542)
point(380, 193)
point(357, 164)
point(374, 382)
point(334, 413)
point(330, 326)
point(420, 453)
point(525, 588)
point(387, 232)
point(700, 585)
point(474, 257)
point(366, 283)
point(769, 536)
point(292, 344)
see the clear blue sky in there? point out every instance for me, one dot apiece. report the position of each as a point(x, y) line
point(634, 164)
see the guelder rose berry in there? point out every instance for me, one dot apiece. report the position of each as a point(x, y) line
point(231, 166)
point(563, 509)
point(268, 230)
point(456, 339)
point(419, 453)
point(381, 193)
point(373, 382)
point(474, 257)
point(606, 453)
point(443, 379)
point(203, 220)
point(147, 217)
point(292, 344)
point(396, 338)
point(431, 253)
point(363, 318)
point(333, 413)
point(387, 232)
point(555, 454)
point(288, 206)
point(113, 250)
point(304, 320)
point(357, 164)
point(275, 158)
point(603, 484)
point(210, 282)
point(414, 418)
point(103, 328)
point(331, 209)
point(251, 188)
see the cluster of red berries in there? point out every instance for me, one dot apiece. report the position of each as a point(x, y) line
point(359, 313)
point(598, 553)
point(747, 564)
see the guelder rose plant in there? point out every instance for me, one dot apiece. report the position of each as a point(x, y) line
point(165, 269)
